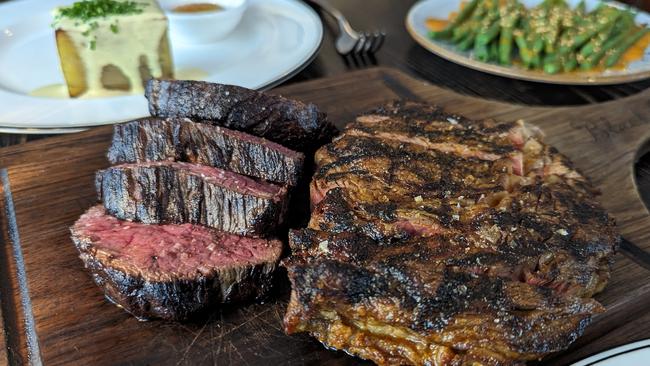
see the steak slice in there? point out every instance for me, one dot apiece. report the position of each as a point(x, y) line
point(180, 139)
point(172, 192)
point(439, 240)
point(289, 122)
point(172, 271)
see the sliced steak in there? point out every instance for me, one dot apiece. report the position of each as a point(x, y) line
point(172, 271)
point(172, 192)
point(289, 122)
point(180, 139)
point(439, 240)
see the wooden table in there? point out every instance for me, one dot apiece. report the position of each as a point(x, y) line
point(402, 52)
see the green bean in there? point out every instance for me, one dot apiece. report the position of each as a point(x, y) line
point(489, 25)
point(616, 54)
point(596, 42)
point(555, 21)
point(468, 42)
point(463, 15)
point(481, 52)
point(569, 62)
point(536, 61)
point(505, 46)
point(536, 25)
point(466, 12)
point(459, 33)
point(599, 24)
point(510, 15)
point(488, 34)
point(552, 64)
point(494, 51)
point(524, 51)
point(594, 59)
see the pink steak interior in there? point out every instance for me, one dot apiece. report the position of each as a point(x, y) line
point(183, 250)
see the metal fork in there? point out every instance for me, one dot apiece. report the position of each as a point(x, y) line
point(350, 41)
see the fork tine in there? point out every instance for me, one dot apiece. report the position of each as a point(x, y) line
point(374, 38)
point(370, 40)
point(358, 48)
point(381, 36)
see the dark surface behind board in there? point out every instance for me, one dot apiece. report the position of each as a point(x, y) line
point(51, 184)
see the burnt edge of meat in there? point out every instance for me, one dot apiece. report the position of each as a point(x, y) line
point(286, 121)
point(135, 194)
point(181, 299)
point(180, 139)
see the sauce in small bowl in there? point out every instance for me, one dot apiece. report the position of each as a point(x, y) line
point(196, 8)
point(201, 21)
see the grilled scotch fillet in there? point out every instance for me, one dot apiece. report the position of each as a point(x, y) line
point(436, 240)
point(167, 192)
point(294, 124)
point(180, 139)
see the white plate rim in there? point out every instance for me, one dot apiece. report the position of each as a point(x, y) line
point(308, 15)
point(614, 352)
point(40, 131)
point(584, 78)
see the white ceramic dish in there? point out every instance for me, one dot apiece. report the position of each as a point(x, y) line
point(203, 27)
point(275, 40)
point(633, 354)
point(40, 131)
point(440, 9)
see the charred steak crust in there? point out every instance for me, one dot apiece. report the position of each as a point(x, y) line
point(289, 122)
point(435, 239)
point(108, 247)
point(171, 192)
point(180, 139)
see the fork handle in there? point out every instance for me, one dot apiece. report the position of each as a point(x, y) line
point(344, 25)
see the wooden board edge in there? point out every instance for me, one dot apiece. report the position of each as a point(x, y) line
point(615, 317)
point(3, 338)
point(21, 340)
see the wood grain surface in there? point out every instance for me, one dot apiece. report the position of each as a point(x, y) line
point(3, 342)
point(51, 184)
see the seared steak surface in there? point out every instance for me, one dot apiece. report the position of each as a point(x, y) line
point(439, 240)
point(292, 123)
point(180, 139)
point(172, 192)
point(172, 271)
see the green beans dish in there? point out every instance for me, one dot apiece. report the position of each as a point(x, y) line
point(552, 37)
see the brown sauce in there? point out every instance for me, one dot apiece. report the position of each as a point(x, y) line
point(436, 25)
point(634, 53)
point(196, 8)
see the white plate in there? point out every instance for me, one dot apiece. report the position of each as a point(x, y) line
point(275, 40)
point(39, 131)
point(440, 9)
point(633, 354)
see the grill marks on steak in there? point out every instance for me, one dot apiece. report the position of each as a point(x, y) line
point(172, 192)
point(417, 253)
point(292, 123)
point(172, 271)
point(180, 139)
point(399, 309)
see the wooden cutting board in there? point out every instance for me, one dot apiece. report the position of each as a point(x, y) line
point(54, 314)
